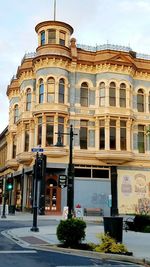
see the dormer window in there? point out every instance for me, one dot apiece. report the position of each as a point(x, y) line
point(43, 38)
point(51, 36)
point(62, 38)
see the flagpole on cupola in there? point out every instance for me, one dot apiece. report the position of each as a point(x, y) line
point(54, 10)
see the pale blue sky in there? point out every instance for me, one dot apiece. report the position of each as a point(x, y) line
point(124, 22)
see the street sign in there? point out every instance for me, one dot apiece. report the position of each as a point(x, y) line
point(37, 149)
point(62, 181)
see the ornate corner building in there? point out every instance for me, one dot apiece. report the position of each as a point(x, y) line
point(104, 92)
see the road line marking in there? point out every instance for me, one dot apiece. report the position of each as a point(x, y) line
point(17, 251)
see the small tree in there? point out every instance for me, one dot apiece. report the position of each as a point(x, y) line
point(71, 232)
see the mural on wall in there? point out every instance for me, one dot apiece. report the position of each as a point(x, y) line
point(134, 192)
point(99, 198)
point(126, 186)
point(140, 184)
point(143, 206)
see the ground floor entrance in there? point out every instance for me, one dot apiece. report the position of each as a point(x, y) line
point(52, 194)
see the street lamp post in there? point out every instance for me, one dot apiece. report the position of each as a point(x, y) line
point(4, 199)
point(70, 187)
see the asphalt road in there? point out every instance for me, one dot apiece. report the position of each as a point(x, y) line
point(11, 254)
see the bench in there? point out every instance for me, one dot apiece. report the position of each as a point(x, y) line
point(93, 212)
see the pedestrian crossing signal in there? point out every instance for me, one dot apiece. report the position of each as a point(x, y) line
point(9, 184)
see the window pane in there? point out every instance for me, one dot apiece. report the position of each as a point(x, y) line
point(41, 92)
point(61, 90)
point(83, 173)
point(84, 95)
point(42, 38)
point(102, 138)
point(50, 90)
point(112, 138)
point(100, 173)
point(123, 138)
point(140, 101)
point(26, 140)
point(62, 38)
point(83, 138)
point(141, 138)
point(49, 134)
point(39, 139)
point(51, 36)
point(28, 100)
point(112, 94)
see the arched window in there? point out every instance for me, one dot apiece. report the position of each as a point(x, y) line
point(61, 96)
point(43, 38)
point(50, 90)
point(140, 100)
point(112, 94)
point(84, 95)
point(102, 94)
point(41, 91)
point(16, 113)
point(28, 100)
point(122, 95)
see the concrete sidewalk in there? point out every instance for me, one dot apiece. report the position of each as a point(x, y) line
point(138, 243)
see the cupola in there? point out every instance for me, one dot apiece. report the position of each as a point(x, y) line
point(53, 33)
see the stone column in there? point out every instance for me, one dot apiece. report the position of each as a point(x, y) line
point(117, 96)
point(128, 134)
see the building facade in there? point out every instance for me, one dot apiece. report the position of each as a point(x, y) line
point(104, 93)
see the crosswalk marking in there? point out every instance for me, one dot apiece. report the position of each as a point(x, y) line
point(17, 251)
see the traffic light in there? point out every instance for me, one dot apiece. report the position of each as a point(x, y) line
point(40, 166)
point(9, 183)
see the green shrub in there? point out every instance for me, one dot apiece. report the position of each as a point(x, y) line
point(140, 222)
point(71, 232)
point(109, 245)
point(146, 229)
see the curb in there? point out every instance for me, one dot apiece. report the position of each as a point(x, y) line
point(96, 255)
point(92, 254)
